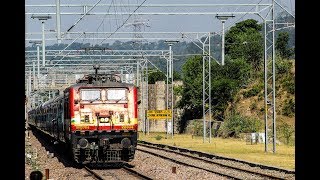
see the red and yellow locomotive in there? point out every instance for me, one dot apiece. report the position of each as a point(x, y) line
point(96, 118)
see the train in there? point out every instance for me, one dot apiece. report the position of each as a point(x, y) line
point(96, 119)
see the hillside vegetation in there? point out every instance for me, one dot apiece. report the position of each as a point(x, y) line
point(237, 88)
point(249, 101)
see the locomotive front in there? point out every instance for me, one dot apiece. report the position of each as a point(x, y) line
point(103, 122)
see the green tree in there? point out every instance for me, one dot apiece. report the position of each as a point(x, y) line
point(192, 83)
point(236, 124)
point(244, 40)
point(176, 75)
point(222, 92)
point(225, 83)
point(156, 76)
point(284, 17)
point(238, 70)
point(286, 131)
point(282, 45)
point(161, 76)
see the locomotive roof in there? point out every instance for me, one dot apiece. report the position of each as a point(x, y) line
point(91, 80)
point(100, 80)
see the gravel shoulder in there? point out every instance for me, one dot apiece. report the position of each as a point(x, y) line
point(38, 159)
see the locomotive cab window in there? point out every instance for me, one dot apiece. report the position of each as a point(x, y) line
point(90, 94)
point(117, 95)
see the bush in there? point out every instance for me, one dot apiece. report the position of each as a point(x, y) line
point(177, 90)
point(253, 106)
point(158, 137)
point(254, 91)
point(288, 108)
point(282, 66)
point(260, 96)
point(236, 124)
point(197, 128)
point(289, 86)
point(286, 132)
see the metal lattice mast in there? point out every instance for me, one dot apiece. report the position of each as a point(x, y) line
point(269, 77)
point(36, 80)
point(144, 93)
point(206, 91)
point(167, 94)
point(121, 75)
point(43, 45)
point(141, 76)
point(58, 21)
point(273, 80)
point(28, 88)
point(171, 89)
point(138, 72)
point(38, 61)
point(169, 86)
point(33, 75)
point(137, 42)
point(42, 18)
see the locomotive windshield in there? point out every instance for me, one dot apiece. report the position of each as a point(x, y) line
point(116, 94)
point(90, 94)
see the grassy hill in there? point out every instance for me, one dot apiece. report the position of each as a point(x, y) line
point(249, 101)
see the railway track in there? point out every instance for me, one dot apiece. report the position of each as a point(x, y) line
point(94, 174)
point(116, 171)
point(228, 167)
point(208, 163)
point(123, 172)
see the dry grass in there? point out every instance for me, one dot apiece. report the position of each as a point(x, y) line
point(236, 148)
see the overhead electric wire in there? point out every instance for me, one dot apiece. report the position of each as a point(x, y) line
point(104, 16)
point(291, 6)
point(73, 27)
point(83, 16)
point(124, 21)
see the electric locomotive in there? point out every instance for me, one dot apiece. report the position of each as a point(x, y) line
point(96, 119)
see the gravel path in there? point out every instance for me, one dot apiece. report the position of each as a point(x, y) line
point(159, 168)
point(40, 161)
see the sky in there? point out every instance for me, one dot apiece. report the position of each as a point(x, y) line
point(151, 23)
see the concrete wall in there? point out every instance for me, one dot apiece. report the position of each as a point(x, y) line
point(157, 100)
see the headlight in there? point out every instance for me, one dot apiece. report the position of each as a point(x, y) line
point(83, 142)
point(125, 142)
